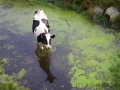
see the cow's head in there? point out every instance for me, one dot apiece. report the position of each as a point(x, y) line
point(46, 39)
point(38, 15)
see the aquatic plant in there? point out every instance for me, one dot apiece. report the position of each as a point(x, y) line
point(7, 46)
point(21, 73)
point(4, 37)
point(2, 62)
point(11, 85)
point(6, 81)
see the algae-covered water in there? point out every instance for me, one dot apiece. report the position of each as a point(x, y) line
point(81, 56)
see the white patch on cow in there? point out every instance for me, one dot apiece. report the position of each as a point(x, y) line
point(42, 27)
point(40, 15)
point(43, 15)
point(48, 39)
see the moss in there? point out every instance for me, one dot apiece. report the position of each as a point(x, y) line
point(21, 73)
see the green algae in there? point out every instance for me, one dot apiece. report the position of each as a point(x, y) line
point(59, 38)
point(16, 22)
point(92, 53)
point(2, 63)
point(7, 46)
point(21, 73)
point(4, 37)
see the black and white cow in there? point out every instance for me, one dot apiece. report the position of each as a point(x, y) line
point(41, 29)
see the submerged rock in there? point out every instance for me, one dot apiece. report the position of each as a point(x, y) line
point(112, 12)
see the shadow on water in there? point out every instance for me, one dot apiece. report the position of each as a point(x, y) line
point(43, 57)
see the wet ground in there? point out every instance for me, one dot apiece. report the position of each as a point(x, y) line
point(81, 55)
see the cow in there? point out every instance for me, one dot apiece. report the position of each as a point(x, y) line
point(41, 29)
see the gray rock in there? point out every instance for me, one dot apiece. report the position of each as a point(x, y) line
point(112, 12)
point(98, 10)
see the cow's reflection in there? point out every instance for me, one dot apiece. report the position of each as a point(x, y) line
point(43, 57)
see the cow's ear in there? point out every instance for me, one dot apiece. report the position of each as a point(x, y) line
point(52, 36)
point(35, 12)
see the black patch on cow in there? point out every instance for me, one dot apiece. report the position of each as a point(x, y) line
point(47, 26)
point(35, 24)
point(42, 38)
point(48, 30)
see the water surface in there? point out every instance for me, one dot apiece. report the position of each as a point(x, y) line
point(81, 55)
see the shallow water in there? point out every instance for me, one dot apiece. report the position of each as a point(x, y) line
point(81, 55)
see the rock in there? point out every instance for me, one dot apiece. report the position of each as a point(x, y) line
point(98, 10)
point(112, 12)
point(114, 15)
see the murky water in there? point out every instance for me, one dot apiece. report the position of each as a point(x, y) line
point(81, 55)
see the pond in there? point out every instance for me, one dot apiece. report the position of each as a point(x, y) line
point(81, 56)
